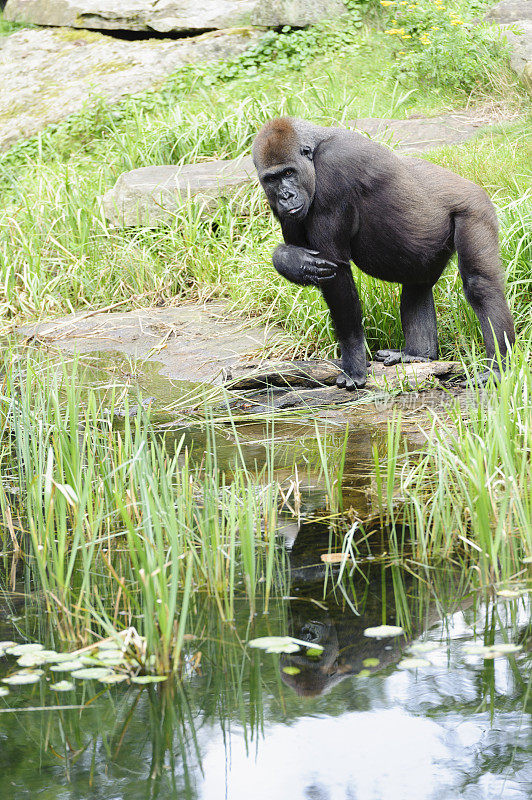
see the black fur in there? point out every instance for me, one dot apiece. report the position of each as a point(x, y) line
point(340, 197)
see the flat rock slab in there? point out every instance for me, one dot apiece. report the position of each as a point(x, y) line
point(417, 134)
point(152, 195)
point(176, 16)
point(206, 345)
point(45, 75)
point(190, 342)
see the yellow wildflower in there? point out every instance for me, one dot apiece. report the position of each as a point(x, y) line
point(387, 2)
point(405, 36)
point(456, 22)
point(435, 28)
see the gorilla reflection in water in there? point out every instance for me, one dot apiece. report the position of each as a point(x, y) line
point(346, 650)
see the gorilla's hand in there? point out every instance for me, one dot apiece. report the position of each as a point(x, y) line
point(302, 266)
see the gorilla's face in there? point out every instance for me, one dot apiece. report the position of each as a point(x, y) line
point(290, 186)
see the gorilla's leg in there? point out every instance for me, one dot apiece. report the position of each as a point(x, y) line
point(418, 319)
point(477, 245)
point(342, 298)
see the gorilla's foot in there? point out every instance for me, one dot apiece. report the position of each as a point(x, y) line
point(351, 381)
point(391, 357)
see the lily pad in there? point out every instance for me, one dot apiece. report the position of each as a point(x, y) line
point(413, 663)
point(24, 677)
point(4, 646)
point(281, 644)
point(22, 649)
point(31, 660)
point(423, 647)
point(142, 679)
point(291, 670)
point(113, 677)
point(371, 662)
point(111, 657)
point(4, 691)
point(384, 631)
point(492, 650)
point(91, 673)
point(510, 594)
point(62, 686)
point(314, 652)
point(68, 666)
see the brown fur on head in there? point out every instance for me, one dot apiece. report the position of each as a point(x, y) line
point(275, 143)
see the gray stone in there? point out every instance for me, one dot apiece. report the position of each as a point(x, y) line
point(296, 13)
point(415, 135)
point(152, 195)
point(48, 74)
point(206, 344)
point(198, 343)
point(165, 16)
point(508, 11)
point(520, 41)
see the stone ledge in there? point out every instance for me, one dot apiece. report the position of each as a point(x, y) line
point(151, 195)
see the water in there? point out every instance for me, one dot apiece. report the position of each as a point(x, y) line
point(341, 727)
point(355, 724)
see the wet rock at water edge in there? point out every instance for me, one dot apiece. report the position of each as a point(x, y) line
point(151, 195)
point(171, 16)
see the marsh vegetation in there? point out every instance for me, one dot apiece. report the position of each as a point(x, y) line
point(171, 534)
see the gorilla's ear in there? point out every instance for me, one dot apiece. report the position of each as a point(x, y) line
point(307, 152)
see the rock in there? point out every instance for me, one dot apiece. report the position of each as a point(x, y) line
point(520, 41)
point(508, 11)
point(46, 75)
point(151, 195)
point(418, 134)
point(189, 342)
point(284, 374)
point(207, 344)
point(165, 16)
point(296, 13)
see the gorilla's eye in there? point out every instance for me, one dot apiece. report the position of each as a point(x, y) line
point(306, 151)
point(288, 172)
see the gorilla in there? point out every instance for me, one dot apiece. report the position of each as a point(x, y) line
point(342, 197)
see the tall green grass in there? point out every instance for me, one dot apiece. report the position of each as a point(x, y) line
point(110, 524)
point(468, 492)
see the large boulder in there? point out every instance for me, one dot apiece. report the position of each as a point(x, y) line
point(45, 75)
point(151, 195)
point(520, 41)
point(508, 11)
point(165, 16)
point(514, 20)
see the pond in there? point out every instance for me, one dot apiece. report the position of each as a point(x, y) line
point(441, 710)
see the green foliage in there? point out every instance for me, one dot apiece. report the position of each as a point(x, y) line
point(10, 27)
point(433, 43)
